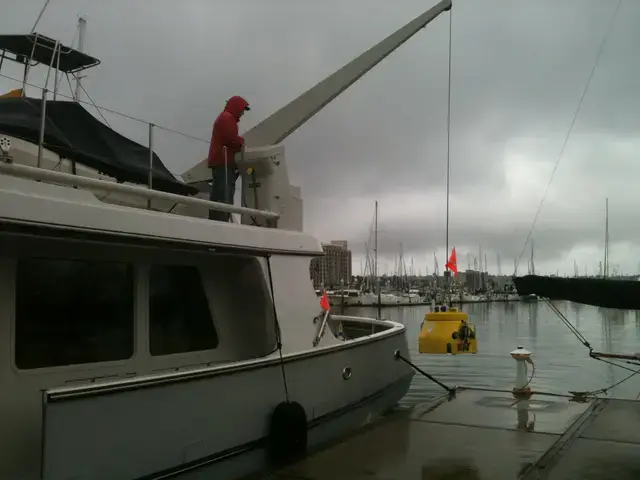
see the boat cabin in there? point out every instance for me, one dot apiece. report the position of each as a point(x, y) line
point(95, 292)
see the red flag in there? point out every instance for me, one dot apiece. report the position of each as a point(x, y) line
point(452, 264)
point(324, 301)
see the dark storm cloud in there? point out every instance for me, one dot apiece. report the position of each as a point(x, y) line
point(518, 71)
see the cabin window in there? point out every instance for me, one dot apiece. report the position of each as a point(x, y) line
point(179, 316)
point(72, 312)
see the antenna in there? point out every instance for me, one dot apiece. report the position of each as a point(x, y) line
point(46, 4)
point(82, 25)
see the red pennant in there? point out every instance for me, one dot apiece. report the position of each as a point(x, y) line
point(324, 301)
point(452, 264)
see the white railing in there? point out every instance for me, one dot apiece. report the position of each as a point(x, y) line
point(33, 173)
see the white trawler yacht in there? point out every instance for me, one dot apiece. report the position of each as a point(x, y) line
point(142, 340)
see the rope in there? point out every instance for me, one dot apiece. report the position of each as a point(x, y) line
point(277, 329)
point(398, 356)
point(584, 341)
point(448, 153)
point(566, 140)
point(605, 390)
point(569, 325)
point(91, 100)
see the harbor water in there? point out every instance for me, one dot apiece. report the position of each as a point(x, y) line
point(562, 363)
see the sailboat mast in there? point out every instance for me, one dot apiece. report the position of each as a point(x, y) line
point(375, 250)
point(533, 267)
point(606, 239)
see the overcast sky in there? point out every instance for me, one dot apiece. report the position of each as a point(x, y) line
point(519, 70)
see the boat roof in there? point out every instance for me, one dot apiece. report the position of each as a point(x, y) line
point(73, 133)
point(40, 49)
point(27, 205)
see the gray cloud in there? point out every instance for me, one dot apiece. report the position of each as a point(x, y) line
point(518, 72)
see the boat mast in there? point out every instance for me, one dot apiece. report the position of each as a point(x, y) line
point(82, 25)
point(533, 267)
point(375, 251)
point(606, 239)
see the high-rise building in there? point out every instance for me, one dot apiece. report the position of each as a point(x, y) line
point(333, 267)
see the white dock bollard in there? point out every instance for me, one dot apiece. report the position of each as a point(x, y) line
point(522, 356)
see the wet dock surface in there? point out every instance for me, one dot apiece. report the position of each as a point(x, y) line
point(488, 435)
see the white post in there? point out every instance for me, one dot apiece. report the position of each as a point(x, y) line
point(82, 25)
point(43, 120)
point(150, 177)
point(522, 356)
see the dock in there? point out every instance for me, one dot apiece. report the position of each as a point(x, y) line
point(490, 435)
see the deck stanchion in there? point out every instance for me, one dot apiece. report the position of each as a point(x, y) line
point(43, 118)
point(150, 180)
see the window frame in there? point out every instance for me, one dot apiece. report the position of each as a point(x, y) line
point(140, 257)
point(194, 354)
point(90, 255)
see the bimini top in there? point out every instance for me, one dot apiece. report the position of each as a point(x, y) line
point(600, 292)
point(22, 46)
point(72, 132)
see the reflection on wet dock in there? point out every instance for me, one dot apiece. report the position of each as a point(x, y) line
point(487, 434)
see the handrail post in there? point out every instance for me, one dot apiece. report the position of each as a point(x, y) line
point(43, 118)
point(57, 72)
point(53, 58)
point(150, 180)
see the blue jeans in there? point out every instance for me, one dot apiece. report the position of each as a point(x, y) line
point(223, 189)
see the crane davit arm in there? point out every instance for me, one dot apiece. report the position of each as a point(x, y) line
point(275, 128)
point(279, 125)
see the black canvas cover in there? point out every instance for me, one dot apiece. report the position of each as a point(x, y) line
point(39, 48)
point(601, 292)
point(72, 132)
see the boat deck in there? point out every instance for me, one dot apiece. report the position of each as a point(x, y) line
point(487, 434)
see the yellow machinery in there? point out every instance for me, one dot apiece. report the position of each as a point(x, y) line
point(447, 330)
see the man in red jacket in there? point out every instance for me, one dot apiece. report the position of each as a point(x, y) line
point(225, 143)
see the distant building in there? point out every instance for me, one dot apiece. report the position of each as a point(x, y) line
point(333, 267)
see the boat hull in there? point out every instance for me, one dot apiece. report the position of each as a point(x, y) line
point(321, 432)
point(600, 292)
point(213, 423)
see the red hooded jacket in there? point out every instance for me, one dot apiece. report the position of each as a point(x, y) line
point(225, 133)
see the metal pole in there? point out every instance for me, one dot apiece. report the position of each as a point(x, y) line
point(377, 279)
point(27, 66)
point(82, 23)
point(43, 117)
point(46, 4)
point(53, 57)
point(150, 180)
point(55, 78)
point(606, 239)
point(226, 178)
